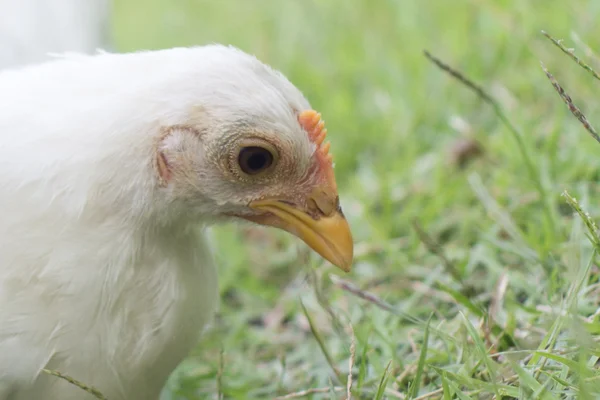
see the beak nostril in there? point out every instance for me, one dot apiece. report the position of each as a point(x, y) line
point(312, 205)
point(325, 202)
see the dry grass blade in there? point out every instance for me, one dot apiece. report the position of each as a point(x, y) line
point(308, 392)
point(370, 297)
point(498, 295)
point(571, 54)
point(572, 107)
point(463, 79)
point(534, 175)
point(91, 390)
point(436, 392)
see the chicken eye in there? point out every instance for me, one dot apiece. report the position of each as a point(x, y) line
point(253, 160)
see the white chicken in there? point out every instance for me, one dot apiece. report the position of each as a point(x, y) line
point(110, 167)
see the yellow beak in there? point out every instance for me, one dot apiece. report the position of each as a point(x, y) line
point(327, 233)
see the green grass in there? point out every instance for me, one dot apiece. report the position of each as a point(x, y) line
point(487, 260)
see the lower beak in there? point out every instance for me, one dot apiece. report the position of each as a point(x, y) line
point(328, 235)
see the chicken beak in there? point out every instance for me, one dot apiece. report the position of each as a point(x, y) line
point(324, 229)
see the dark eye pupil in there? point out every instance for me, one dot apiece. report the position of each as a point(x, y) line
point(253, 160)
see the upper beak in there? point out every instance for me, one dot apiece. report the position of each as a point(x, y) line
point(323, 228)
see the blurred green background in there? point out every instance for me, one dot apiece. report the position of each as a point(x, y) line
point(498, 254)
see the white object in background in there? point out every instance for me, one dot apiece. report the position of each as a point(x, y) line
point(30, 30)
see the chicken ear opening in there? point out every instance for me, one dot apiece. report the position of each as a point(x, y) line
point(163, 168)
point(174, 152)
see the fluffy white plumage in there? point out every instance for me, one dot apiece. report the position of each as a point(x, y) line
point(105, 272)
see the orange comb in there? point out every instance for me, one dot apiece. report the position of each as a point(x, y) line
point(312, 123)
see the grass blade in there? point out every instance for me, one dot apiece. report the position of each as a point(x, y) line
point(446, 387)
point(527, 380)
point(572, 55)
point(570, 105)
point(383, 382)
point(89, 389)
point(414, 388)
point(321, 343)
point(483, 353)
